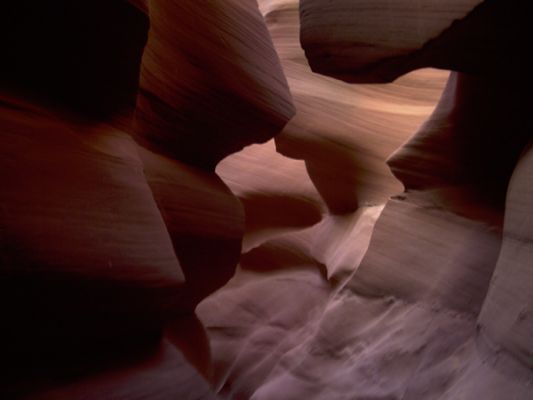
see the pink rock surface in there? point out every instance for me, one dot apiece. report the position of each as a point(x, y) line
point(84, 248)
point(204, 220)
point(105, 244)
point(398, 309)
point(379, 247)
point(344, 132)
point(275, 191)
point(506, 316)
point(378, 41)
point(445, 151)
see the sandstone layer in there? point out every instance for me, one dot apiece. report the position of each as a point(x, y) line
point(395, 295)
point(113, 223)
point(278, 199)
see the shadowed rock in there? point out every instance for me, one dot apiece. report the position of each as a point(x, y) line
point(211, 82)
point(83, 55)
point(362, 41)
point(85, 254)
point(205, 222)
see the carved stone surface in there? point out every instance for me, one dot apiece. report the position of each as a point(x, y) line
point(266, 200)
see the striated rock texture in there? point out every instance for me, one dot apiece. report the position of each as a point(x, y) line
point(204, 220)
point(470, 115)
point(108, 242)
point(191, 209)
point(161, 373)
point(505, 320)
point(346, 132)
point(228, 72)
point(412, 296)
point(362, 41)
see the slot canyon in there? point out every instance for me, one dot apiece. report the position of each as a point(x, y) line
point(266, 200)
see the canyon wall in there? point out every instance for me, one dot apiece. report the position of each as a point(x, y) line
point(113, 223)
point(412, 292)
point(278, 199)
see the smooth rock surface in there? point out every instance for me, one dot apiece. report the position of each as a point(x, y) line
point(209, 58)
point(85, 252)
point(506, 318)
point(344, 132)
point(472, 140)
point(84, 56)
point(379, 247)
point(204, 220)
point(385, 309)
point(378, 41)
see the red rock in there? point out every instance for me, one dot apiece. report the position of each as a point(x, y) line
point(446, 152)
point(431, 255)
point(209, 59)
point(204, 220)
point(161, 373)
point(399, 321)
point(344, 132)
point(85, 252)
point(361, 41)
point(276, 192)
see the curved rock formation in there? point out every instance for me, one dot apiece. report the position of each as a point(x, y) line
point(361, 41)
point(84, 248)
point(204, 221)
point(108, 246)
point(84, 55)
point(379, 247)
point(408, 312)
point(229, 72)
point(345, 132)
point(161, 373)
point(276, 192)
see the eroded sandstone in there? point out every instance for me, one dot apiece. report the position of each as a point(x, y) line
point(378, 247)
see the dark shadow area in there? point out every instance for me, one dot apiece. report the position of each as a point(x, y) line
point(276, 212)
point(83, 55)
